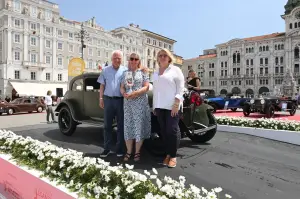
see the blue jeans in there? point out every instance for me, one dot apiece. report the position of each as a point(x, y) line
point(113, 107)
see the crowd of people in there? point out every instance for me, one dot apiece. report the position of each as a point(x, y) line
point(123, 95)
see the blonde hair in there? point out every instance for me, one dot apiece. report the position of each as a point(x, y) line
point(170, 55)
point(49, 92)
point(137, 56)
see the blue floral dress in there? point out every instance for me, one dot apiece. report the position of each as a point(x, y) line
point(137, 116)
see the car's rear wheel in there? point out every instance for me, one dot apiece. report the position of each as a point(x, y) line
point(66, 123)
point(39, 109)
point(270, 112)
point(10, 111)
point(246, 110)
point(293, 110)
point(234, 109)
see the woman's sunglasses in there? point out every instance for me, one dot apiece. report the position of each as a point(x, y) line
point(136, 59)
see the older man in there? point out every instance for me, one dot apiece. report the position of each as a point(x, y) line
point(111, 100)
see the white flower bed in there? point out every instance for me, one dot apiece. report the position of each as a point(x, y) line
point(264, 123)
point(93, 177)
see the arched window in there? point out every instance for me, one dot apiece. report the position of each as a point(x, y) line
point(295, 24)
point(234, 58)
point(247, 62)
point(221, 53)
point(260, 49)
point(261, 61)
point(226, 52)
point(298, 24)
point(291, 26)
point(149, 52)
point(246, 50)
point(276, 60)
point(281, 60)
point(238, 58)
point(296, 52)
point(221, 64)
point(264, 48)
point(282, 47)
point(276, 47)
point(267, 48)
point(252, 49)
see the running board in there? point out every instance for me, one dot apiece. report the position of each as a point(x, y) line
point(199, 131)
point(92, 122)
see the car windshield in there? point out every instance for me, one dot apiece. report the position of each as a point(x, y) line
point(16, 101)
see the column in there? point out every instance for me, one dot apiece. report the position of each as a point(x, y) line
point(41, 49)
point(25, 49)
point(9, 47)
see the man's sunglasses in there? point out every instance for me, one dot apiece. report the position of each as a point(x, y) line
point(136, 59)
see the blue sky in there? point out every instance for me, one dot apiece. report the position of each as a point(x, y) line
point(195, 24)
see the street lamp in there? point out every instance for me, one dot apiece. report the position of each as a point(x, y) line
point(82, 35)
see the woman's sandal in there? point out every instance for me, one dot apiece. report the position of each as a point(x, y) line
point(137, 157)
point(127, 157)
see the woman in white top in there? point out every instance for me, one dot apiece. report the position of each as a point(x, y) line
point(168, 86)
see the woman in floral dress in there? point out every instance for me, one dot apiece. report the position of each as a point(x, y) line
point(137, 118)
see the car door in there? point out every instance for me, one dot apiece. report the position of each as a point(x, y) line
point(91, 98)
point(25, 105)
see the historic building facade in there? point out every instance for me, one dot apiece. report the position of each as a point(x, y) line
point(252, 65)
point(37, 43)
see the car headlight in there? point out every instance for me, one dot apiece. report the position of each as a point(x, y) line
point(262, 101)
point(252, 101)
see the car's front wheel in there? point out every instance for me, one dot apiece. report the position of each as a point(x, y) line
point(246, 110)
point(65, 121)
point(10, 111)
point(293, 110)
point(270, 112)
point(39, 109)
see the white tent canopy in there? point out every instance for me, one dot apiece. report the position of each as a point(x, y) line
point(36, 89)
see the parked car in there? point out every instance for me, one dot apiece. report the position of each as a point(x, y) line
point(81, 106)
point(22, 105)
point(269, 103)
point(233, 102)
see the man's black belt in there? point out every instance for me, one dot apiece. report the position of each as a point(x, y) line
point(113, 97)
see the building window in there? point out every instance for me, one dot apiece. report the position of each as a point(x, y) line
point(33, 58)
point(90, 64)
point(17, 38)
point(33, 75)
point(48, 30)
point(17, 56)
point(281, 60)
point(48, 44)
point(59, 46)
point(17, 5)
point(148, 63)
point(33, 41)
point(48, 15)
point(106, 54)
point(99, 53)
point(48, 60)
point(70, 35)
point(33, 11)
point(90, 51)
point(266, 61)
point(59, 32)
point(17, 23)
point(48, 76)
point(59, 77)
point(291, 26)
point(17, 74)
point(33, 26)
point(148, 41)
point(59, 61)
point(71, 48)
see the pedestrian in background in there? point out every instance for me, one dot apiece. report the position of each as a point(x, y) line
point(49, 109)
point(168, 88)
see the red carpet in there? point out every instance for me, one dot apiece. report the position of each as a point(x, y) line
point(278, 115)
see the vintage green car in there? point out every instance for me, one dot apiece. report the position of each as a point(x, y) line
point(81, 106)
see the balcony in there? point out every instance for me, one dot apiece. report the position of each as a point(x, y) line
point(34, 65)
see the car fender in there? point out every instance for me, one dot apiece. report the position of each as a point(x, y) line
point(72, 105)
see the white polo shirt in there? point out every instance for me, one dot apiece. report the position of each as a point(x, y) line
point(167, 87)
